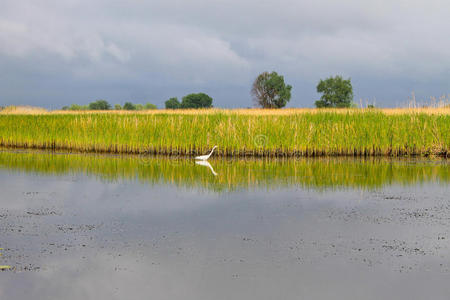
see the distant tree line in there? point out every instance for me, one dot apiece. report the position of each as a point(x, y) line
point(104, 105)
point(200, 100)
point(268, 90)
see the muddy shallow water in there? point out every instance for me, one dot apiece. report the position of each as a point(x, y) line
point(105, 227)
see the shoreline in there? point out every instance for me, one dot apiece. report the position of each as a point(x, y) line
point(243, 153)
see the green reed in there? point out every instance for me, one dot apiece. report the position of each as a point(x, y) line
point(307, 134)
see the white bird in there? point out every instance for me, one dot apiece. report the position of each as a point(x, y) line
point(205, 157)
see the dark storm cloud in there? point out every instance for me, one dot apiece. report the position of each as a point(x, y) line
point(53, 53)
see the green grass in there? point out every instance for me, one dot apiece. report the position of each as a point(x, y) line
point(306, 134)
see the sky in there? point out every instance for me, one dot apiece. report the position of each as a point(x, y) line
point(54, 53)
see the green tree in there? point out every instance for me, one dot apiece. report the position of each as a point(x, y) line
point(336, 92)
point(129, 106)
point(78, 107)
point(270, 91)
point(99, 105)
point(139, 107)
point(200, 100)
point(149, 105)
point(117, 106)
point(173, 103)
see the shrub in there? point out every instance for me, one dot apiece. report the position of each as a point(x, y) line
point(149, 105)
point(78, 107)
point(200, 100)
point(99, 105)
point(129, 106)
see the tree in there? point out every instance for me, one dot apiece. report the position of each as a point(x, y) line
point(149, 105)
point(117, 107)
point(270, 91)
point(129, 106)
point(173, 103)
point(336, 92)
point(99, 105)
point(78, 107)
point(199, 100)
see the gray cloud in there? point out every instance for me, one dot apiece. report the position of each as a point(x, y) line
point(53, 53)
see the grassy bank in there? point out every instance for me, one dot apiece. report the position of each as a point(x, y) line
point(237, 133)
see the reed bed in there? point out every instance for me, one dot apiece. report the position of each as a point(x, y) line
point(278, 134)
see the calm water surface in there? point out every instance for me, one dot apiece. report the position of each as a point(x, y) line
point(78, 226)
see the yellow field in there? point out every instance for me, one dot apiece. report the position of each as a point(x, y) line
point(239, 111)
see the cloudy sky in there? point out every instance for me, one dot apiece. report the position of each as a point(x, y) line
point(54, 52)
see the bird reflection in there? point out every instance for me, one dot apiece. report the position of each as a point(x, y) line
point(206, 164)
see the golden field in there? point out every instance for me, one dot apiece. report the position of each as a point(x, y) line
point(241, 111)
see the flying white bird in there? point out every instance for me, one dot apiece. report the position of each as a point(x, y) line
point(205, 157)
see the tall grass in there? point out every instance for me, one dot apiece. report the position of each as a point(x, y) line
point(318, 133)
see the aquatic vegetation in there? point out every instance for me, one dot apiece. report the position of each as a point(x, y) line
point(311, 133)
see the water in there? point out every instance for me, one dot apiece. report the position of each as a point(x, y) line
point(127, 227)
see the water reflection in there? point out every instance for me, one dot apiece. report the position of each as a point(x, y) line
point(316, 173)
point(125, 227)
point(206, 164)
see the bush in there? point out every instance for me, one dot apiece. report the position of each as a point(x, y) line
point(129, 106)
point(270, 91)
point(78, 107)
point(99, 105)
point(172, 103)
point(149, 105)
point(117, 107)
point(336, 92)
point(200, 100)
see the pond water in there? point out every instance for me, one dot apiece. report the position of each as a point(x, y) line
point(76, 226)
